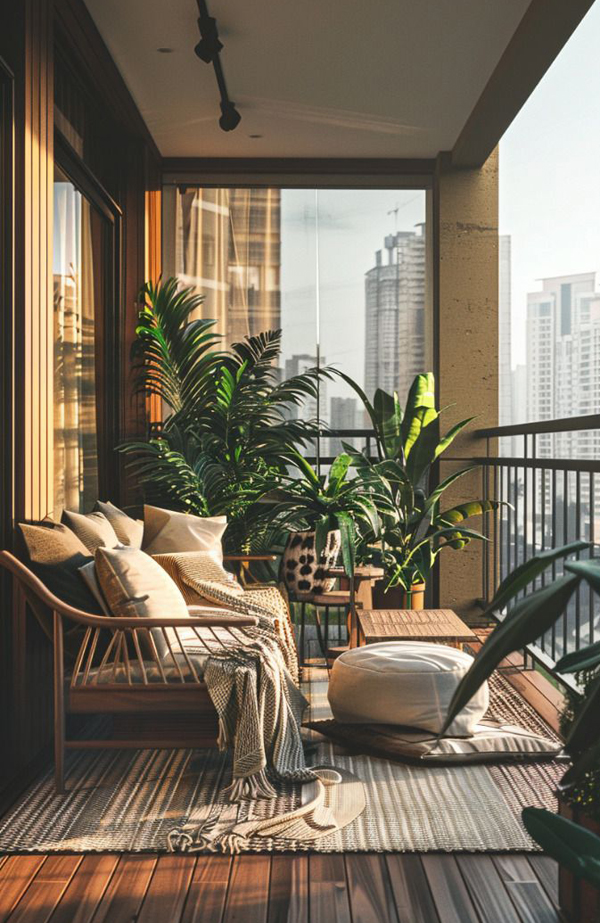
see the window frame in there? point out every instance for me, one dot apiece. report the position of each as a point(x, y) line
point(108, 389)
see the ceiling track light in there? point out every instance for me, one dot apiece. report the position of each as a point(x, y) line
point(208, 50)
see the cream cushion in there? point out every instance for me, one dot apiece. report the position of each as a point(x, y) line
point(93, 529)
point(408, 683)
point(129, 531)
point(167, 532)
point(134, 585)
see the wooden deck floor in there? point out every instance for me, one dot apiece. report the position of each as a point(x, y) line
point(313, 888)
point(273, 889)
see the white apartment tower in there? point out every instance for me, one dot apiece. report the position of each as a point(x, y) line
point(563, 359)
point(394, 314)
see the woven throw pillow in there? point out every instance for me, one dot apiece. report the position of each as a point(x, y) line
point(55, 556)
point(136, 586)
point(93, 529)
point(166, 531)
point(129, 531)
point(491, 742)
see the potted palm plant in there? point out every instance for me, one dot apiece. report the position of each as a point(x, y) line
point(572, 840)
point(414, 527)
point(229, 435)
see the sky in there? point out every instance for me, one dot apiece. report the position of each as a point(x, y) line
point(350, 226)
point(549, 175)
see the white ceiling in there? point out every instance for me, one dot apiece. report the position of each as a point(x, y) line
point(316, 78)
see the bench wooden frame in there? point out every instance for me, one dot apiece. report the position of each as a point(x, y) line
point(79, 692)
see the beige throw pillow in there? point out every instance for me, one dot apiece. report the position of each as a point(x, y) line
point(129, 531)
point(136, 586)
point(93, 529)
point(167, 532)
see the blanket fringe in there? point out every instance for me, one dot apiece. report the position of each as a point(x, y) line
point(250, 787)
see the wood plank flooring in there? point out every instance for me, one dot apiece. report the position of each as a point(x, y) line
point(360, 888)
point(299, 888)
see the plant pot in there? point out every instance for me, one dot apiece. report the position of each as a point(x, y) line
point(303, 575)
point(579, 900)
point(397, 597)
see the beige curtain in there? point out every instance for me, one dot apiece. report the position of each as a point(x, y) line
point(75, 424)
point(229, 250)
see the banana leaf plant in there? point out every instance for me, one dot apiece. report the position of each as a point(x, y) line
point(526, 619)
point(415, 529)
point(231, 429)
point(325, 503)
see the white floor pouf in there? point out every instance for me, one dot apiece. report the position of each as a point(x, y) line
point(407, 683)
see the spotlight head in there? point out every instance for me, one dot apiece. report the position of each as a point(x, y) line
point(209, 45)
point(230, 117)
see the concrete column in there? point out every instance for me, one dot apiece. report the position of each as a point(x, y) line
point(464, 327)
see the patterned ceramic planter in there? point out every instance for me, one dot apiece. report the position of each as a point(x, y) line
point(304, 576)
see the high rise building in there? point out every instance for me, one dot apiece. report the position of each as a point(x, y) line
point(311, 409)
point(343, 415)
point(561, 325)
point(229, 249)
point(395, 314)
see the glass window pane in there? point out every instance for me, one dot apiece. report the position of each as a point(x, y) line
point(341, 272)
point(76, 277)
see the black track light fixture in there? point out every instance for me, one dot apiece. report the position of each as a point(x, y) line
point(208, 50)
point(230, 117)
point(209, 45)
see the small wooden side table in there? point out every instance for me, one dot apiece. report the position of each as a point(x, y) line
point(441, 626)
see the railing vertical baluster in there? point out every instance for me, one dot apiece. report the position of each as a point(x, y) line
point(565, 620)
point(553, 545)
point(592, 539)
point(576, 536)
point(525, 498)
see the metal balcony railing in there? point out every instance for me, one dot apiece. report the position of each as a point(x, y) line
point(549, 473)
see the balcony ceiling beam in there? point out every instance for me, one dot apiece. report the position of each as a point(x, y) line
point(544, 30)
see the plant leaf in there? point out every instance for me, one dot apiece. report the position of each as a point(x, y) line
point(570, 844)
point(529, 619)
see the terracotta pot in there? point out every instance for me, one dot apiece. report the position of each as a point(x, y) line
point(302, 574)
point(397, 597)
point(579, 900)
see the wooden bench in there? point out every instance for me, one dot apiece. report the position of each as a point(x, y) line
point(153, 695)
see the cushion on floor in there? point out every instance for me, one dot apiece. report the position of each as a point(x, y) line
point(408, 683)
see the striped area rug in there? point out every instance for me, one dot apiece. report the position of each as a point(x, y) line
point(129, 801)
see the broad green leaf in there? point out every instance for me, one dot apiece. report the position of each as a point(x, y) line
point(576, 848)
point(445, 484)
point(585, 659)
point(450, 436)
point(422, 454)
point(529, 619)
point(466, 510)
point(339, 470)
point(589, 570)
point(420, 409)
point(526, 573)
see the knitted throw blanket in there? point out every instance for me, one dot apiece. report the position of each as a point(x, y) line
point(250, 684)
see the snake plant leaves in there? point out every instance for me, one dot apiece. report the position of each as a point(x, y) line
point(338, 471)
point(576, 848)
point(526, 573)
point(528, 619)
